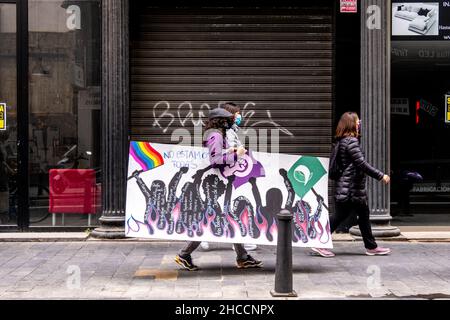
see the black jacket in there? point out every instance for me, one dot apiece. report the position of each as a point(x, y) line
point(352, 184)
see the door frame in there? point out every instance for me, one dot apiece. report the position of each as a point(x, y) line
point(22, 91)
point(22, 115)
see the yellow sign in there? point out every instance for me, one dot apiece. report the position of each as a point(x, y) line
point(2, 116)
point(447, 109)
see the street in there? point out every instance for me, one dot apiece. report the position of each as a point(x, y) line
point(146, 270)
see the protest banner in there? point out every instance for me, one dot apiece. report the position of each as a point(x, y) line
point(174, 194)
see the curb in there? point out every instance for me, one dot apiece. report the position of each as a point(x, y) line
point(443, 237)
point(43, 237)
point(92, 239)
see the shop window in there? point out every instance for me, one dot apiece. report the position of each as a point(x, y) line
point(419, 129)
point(64, 112)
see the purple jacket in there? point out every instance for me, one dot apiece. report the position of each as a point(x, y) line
point(218, 155)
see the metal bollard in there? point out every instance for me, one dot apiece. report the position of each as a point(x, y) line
point(283, 269)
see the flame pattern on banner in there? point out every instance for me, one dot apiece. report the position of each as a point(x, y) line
point(306, 225)
point(191, 216)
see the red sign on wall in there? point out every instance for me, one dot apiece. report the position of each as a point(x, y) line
point(349, 6)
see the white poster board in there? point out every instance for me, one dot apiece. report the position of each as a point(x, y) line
point(173, 194)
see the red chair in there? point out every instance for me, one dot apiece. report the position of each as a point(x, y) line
point(73, 191)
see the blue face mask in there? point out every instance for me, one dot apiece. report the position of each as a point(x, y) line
point(238, 119)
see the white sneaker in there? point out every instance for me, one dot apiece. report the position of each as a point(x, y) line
point(250, 247)
point(204, 245)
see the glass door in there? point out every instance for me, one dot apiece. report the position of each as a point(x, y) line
point(8, 115)
point(50, 79)
point(64, 113)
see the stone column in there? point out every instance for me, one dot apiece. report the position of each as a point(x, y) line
point(115, 106)
point(375, 109)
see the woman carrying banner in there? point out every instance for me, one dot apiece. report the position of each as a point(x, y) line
point(350, 194)
point(219, 121)
point(234, 143)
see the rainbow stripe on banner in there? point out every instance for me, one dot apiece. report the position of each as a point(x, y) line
point(147, 157)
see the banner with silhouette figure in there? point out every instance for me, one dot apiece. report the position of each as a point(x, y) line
point(174, 193)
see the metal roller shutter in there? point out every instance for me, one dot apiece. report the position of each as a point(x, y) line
point(276, 61)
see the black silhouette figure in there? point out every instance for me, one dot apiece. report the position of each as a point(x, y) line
point(230, 212)
point(267, 215)
point(221, 221)
point(213, 188)
point(158, 208)
point(192, 206)
point(304, 221)
point(242, 206)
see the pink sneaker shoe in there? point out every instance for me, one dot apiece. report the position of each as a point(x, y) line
point(378, 251)
point(323, 252)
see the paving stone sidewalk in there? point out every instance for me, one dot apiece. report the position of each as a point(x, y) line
point(145, 270)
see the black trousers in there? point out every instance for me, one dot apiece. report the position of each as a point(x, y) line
point(360, 210)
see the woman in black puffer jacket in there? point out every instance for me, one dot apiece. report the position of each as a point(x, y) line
point(351, 195)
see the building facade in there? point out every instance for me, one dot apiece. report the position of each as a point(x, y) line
point(80, 79)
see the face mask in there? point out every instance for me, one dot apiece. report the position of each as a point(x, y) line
point(238, 120)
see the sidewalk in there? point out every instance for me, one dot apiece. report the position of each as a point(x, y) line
point(414, 233)
point(145, 270)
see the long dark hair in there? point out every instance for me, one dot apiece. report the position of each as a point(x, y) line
point(231, 107)
point(220, 124)
point(347, 126)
